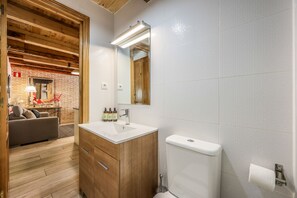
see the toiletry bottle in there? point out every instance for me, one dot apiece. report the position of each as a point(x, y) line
point(105, 114)
point(115, 115)
point(110, 115)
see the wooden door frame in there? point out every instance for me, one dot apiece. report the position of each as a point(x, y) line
point(3, 105)
point(75, 16)
point(84, 22)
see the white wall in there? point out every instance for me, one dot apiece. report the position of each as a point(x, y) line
point(101, 55)
point(221, 72)
point(123, 76)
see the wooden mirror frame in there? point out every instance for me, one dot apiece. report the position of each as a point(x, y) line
point(31, 82)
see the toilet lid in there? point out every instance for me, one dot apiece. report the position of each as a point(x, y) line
point(164, 195)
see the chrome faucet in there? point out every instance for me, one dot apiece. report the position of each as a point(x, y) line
point(127, 115)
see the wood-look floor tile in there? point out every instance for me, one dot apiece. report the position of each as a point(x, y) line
point(44, 170)
point(70, 191)
point(60, 167)
point(18, 181)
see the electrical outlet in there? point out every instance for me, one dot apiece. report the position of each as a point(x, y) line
point(104, 86)
point(120, 87)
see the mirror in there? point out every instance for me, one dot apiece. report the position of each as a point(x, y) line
point(44, 88)
point(133, 71)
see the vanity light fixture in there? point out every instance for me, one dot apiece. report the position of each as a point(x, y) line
point(136, 39)
point(130, 33)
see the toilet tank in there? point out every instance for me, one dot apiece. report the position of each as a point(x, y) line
point(193, 167)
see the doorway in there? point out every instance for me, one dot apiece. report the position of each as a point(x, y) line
point(41, 19)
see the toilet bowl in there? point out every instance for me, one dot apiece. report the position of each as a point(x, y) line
point(193, 168)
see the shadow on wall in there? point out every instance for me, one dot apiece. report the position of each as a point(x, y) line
point(232, 185)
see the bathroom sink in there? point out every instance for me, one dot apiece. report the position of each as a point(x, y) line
point(117, 132)
point(120, 128)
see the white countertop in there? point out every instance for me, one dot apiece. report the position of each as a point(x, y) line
point(107, 130)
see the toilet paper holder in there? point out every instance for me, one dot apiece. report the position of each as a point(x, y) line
point(280, 178)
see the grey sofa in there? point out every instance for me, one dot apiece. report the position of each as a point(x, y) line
point(24, 131)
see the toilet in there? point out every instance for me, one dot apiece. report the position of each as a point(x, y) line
point(193, 168)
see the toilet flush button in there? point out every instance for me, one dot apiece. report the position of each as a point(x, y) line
point(190, 140)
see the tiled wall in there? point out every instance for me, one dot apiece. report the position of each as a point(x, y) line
point(221, 72)
point(67, 85)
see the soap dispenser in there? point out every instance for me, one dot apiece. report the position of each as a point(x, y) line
point(114, 115)
point(105, 115)
point(110, 115)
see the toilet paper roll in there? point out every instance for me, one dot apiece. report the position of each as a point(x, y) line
point(262, 177)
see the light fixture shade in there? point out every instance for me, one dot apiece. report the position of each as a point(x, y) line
point(136, 39)
point(30, 89)
point(75, 72)
point(130, 33)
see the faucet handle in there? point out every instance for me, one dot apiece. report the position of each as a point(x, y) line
point(126, 110)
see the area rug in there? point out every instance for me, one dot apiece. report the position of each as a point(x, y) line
point(66, 130)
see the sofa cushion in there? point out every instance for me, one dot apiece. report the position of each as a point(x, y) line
point(29, 115)
point(36, 113)
point(17, 110)
point(44, 114)
point(13, 117)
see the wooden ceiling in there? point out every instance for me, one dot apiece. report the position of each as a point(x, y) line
point(41, 38)
point(111, 5)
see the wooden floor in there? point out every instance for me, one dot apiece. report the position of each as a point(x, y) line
point(47, 169)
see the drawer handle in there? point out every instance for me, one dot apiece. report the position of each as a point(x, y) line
point(84, 150)
point(103, 165)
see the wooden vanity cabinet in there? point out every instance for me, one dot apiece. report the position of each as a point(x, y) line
point(86, 160)
point(126, 170)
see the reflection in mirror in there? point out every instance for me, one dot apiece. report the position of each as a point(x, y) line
point(134, 68)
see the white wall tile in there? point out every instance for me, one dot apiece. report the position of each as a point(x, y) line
point(271, 7)
point(226, 81)
point(197, 100)
point(228, 53)
point(228, 14)
point(258, 101)
point(243, 146)
point(198, 130)
point(274, 43)
point(245, 49)
point(235, 187)
point(246, 11)
point(273, 101)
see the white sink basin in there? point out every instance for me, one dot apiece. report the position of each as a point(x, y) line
point(117, 132)
point(121, 128)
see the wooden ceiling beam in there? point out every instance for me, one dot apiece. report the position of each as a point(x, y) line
point(19, 62)
point(41, 52)
point(42, 60)
point(111, 5)
point(15, 52)
point(24, 16)
point(24, 64)
point(117, 5)
point(41, 41)
point(43, 69)
point(42, 5)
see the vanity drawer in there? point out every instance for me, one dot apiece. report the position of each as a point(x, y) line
point(108, 147)
point(106, 173)
point(86, 163)
point(86, 141)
